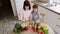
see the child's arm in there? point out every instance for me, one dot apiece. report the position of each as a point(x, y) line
point(38, 20)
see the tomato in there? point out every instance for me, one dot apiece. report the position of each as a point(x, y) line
point(39, 31)
point(42, 32)
point(26, 28)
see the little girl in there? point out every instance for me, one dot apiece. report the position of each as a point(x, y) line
point(25, 14)
point(35, 14)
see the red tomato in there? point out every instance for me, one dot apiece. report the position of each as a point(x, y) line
point(34, 28)
point(39, 31)
point(26, 28)
point(42, 32)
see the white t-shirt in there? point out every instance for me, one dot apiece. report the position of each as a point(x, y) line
point(24, 15)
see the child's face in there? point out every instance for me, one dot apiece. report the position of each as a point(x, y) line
point(27, 7)
point(35, 9)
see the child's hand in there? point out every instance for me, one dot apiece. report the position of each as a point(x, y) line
point(38, 21)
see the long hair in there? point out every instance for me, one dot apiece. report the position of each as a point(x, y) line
point(26, 3)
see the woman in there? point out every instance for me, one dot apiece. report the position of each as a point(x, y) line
point(25, 14)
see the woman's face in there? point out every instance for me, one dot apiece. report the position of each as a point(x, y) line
point(27, 7)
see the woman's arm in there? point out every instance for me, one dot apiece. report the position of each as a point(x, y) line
point(30, 18)
point(20, 15)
